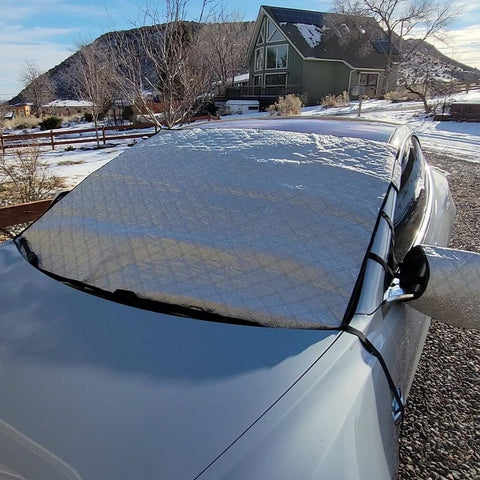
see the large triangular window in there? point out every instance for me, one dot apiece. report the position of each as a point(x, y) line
point(273, 35)
point(261, 35)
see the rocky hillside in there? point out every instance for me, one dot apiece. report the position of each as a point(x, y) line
point(62, 76)
point(441, 66)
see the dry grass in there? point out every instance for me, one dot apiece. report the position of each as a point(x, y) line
point(331, 101)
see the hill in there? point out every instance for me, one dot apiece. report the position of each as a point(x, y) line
point(62, 76)
point(442, 66)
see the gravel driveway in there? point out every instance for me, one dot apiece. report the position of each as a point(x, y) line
point(441, 432)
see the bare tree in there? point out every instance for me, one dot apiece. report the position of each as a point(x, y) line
point(4, 109)
point(166, 69)
point(38, 86)
point(421, 77)
point(400, 19)
point(95, 80)
point(224, 42)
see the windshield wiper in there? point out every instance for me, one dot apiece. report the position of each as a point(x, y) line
point(130, 298)
point(26, 251)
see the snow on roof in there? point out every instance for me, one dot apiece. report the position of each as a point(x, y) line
point(241, 78)
point(311, 33)
point(68, 103)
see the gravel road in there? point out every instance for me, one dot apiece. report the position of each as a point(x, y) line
point(441, 432)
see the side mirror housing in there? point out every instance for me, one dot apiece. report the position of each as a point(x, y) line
point(442, 283)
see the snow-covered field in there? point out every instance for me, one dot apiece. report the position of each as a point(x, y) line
point(460, 139)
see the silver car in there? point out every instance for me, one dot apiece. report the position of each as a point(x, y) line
point(240, 300)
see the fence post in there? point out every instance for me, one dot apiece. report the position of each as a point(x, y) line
point(2, 142)
point(103, 135)
point(51, 140)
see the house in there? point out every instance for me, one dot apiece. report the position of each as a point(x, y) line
point(67, 108)
point(315, 54)
point(21, 110)
point(9, 115)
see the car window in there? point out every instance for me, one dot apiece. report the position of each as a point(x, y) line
point(224, 232)
point(411, 200)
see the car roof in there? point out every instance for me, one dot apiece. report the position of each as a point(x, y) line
point(259, 225)
point(345, 127)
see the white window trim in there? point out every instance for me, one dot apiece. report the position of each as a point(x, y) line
point(368, 74)
point(266, 55)
point(268, 23)
point(261, 80)
point(261, 34)
point(255, 69)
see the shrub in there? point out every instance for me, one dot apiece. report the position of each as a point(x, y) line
point(400, 94)
point(22, 123)
point(25, 177)
point(288, 105)
point(331, 101)
point(50, 123)
point(128, 113)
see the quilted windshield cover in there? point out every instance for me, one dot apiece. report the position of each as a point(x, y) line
point(259, 225)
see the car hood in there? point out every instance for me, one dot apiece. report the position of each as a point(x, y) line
point(93, 389)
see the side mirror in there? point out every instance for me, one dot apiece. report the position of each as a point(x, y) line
point(442, 283)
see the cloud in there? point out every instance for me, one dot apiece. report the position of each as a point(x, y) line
point(23, 9)
point(12, 11)
point(23, 35)
point(461, 44)
point(42, 45)
point(12, 61)
point(468, 12)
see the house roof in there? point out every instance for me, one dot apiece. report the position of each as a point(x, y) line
point(358, 41)
point(68, 104)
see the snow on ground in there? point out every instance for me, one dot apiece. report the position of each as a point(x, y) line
point(74, 165)
point(461, 139)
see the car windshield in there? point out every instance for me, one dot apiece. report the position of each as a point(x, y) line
point(270, 227)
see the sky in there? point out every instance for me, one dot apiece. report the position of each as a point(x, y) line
point(47, 32)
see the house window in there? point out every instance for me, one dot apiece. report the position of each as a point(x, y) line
point(275, 79)
point(273, 35)
point(259, 59)
point(257, 80)
point(368, 79)
point(277, 56)
point(260, 39)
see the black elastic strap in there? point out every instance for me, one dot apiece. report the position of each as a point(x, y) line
point(352, 304)
point(370, 347)
point(383, 263)
point(388, 220)
point(392, 261)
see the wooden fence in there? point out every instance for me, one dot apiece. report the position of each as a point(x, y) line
point(60, 137)
point(23, 213)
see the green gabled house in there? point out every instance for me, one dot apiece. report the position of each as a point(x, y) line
point(315, 54)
